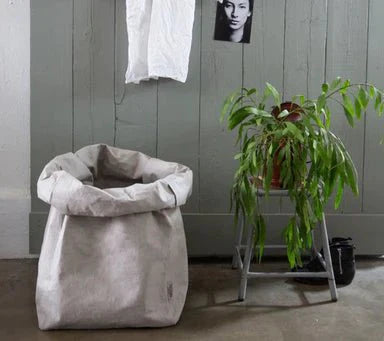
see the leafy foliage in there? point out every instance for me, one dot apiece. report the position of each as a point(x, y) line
point(314, 162)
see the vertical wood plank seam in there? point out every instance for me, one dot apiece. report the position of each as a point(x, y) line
point(285, 29)
point(199, 137)
point(309, 53)
point(73, 77)
point(157, 120)
point(242, 65)
point(283, 89)
point(121, 100)
point(114, 74)
point(365, 114)
point(326, 42)
point(122, 97)
point(91, 78)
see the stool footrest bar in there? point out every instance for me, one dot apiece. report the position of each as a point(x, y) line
point(276, 246)
point(286, 274)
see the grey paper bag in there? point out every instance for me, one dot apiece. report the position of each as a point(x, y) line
point(114, 252)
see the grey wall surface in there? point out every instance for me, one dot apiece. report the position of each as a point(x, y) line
point(78, 61)
point(15, 198)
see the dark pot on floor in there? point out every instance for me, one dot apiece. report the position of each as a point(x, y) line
point(343, 260)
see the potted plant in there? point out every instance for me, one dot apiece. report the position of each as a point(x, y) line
point(292, 146)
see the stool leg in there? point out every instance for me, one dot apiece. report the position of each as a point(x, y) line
point(246, 264)
point(314, 248)
point(239, 238)
point(328, 260)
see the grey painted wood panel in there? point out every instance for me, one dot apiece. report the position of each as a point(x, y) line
point(121, 52)
point(136, 105)
point(93, 72)
point(346, 57)
point(264, 58)
point(221, 74)
point(373, 184)
point(305, 38)
point(179, 118)
point(51, 86)
point(180, 122)
point(304, 53)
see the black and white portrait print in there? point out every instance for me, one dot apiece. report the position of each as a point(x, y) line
point(234, 20)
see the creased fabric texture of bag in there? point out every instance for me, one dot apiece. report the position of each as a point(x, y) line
point(114, 252)
point(159, 39)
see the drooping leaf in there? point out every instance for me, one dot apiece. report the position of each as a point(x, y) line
point(321, 102)
point(239, 116)
point(261, 237)
point(345, 86)
point(325, 87)
point(351, 175)
point(335, 83)
point(327, 114)
point(378, 100)
point(274, 93)
point(381, 109)
point(295, 131)
point(339, 194)
point(363, 98)
point(357, 108)
point(372, 91)
point(348, 109)
point(227, 103)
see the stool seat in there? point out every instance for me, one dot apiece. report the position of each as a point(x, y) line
point(273, 192)
point(237, 261)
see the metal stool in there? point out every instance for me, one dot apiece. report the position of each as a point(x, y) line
point(244, 266)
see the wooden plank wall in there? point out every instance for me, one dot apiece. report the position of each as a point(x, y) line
point(78, 97)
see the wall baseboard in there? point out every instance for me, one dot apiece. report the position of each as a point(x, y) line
point(14, 210)
point(213, 234)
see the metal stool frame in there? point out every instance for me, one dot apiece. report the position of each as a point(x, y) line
point(244, 266)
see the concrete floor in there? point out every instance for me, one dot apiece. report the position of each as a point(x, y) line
point(274, 309)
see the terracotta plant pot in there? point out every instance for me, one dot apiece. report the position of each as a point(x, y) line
point(275, 182)
point(294, 115)
point(293, 109)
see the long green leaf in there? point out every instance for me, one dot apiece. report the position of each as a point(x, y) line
point(339, 194)
point(239, 116)
point(325, 87)
point(378, 100)
point(261, 237)
point(336, 83)
point(348, 109)
point(351, 175)
point(363, 98)
point(358, 108)
point(227, 103)
point(275, 94)
point(295, 131)
point(345, 86)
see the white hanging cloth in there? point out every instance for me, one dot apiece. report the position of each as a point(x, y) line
point(159, 39)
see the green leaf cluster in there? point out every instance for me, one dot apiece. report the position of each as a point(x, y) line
point(313, 161)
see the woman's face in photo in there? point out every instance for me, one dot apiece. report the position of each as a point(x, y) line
point(237, 13)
